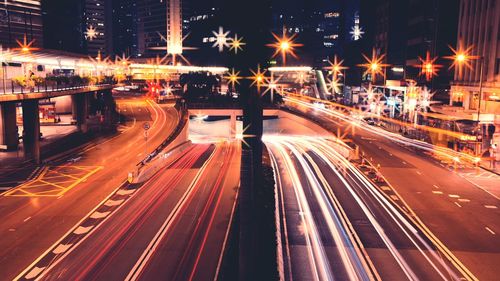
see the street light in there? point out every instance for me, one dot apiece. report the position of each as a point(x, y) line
point(462, 56)
point(284, 45)
point(258, 78)
point(336, 69)
point(233, 78)
point(428, 68)
point(374, 65)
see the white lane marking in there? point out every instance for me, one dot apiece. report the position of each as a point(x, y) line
point(61, 248)
point(99, 215)
point(437, 192)
point(490, 207)
point(394, 197)
point(435, 186)
point(111, 203)
point(404, 162)
point(489, 230)
point(453, 196)
point(456, 203)
point(125, 191)
point(27, 219)
point(463, 200)
point(34, 272)
point(167, 224)
point(82, 229)
point(418, 172)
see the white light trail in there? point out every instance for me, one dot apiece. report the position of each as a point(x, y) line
point(442, 151)
point(355, 182)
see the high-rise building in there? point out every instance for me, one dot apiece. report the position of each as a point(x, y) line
point(390, 34)
point(324, 26)
point(124, 27)
point(160, 27)
point(62, 28)
point(479, 28)
point(432, 27)
point(19, 18)
point(94, 21)
point(78, 25)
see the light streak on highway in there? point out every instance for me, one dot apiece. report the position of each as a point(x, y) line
point(320, 175)
point(173, 226)
point(455, 156)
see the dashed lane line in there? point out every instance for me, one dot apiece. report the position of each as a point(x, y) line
point(489, 230)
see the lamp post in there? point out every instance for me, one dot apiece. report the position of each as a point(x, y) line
point(462, 57)
point(481, 70)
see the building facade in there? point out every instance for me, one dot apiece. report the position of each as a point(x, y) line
point(475, 91)
point(479, 27)
point(94, 17)
point(78, 26)
point(432, 27)
point(124, 27)
point(19, 18)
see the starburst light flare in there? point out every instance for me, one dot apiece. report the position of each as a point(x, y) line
point(236, 44)
point(461, 56)
point(374, 65)
point(233, 77)
point(427, 67)
point(356, 32)
point(221, 39)
point(259, 78)
point(91, 33)
point(25, 46)
point(284, 45)
point(336, 66)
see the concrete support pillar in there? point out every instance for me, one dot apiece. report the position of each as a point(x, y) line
point(233, 125)
point(8, 127)
point(80, 110)
point(31, 135)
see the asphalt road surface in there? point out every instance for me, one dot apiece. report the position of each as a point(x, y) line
point(37, 215)
point(463, 217)
point(173, 227)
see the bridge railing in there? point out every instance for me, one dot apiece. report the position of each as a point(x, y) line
point(11, 87)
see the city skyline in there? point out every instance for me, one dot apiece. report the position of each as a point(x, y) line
point(249, 140)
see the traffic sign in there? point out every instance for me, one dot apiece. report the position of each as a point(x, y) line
point(146, 126)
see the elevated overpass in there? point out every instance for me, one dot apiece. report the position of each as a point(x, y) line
point(31, 121)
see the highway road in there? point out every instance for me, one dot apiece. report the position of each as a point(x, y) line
point(335, 225)
point(37, 214)
point(173, 227)
point(464, 217)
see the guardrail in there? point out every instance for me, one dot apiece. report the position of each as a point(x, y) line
point(181, 107)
